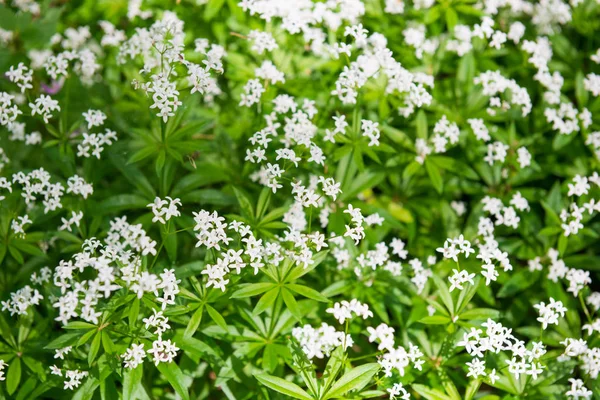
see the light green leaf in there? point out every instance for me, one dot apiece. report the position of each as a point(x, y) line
point(173, 373)
point(355, 379)
point(251, 289)
point(132, 379)
point(194, 323)
point(307, 292)
point(282, 386)
point(13, 376)
point(266, 301)
point(216, 317)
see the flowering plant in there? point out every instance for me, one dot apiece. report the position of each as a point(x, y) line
point(269, 199)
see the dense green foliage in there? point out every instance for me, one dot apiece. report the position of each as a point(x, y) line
point(467, 196)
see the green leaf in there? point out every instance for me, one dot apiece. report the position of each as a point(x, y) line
point(160, 162)
point(132, 380)
point(480, 314)
point(451, 19)
point(355, 379)
point(518, 282)
point(79, 325)
point(333, 367)
point(142, 153)
point(13, 377)
point(563, 242)
point(434, 175)
point(216, 317)
point(307, 292)
point(194, 323)
point(291, 303)
point(85, 337)
point(444, 293)
point(580, 93)
point(263, 202)
point(429, 393)
point(551, 215)
point(432, 15)
point(266, 301)
point(107, 342)
point(466, 295)
point(95, 346)
point(134, 312)
point(245, 203)
point(121, 202)
point(435, 320)
point(282, 386)
point(421, 124)
point(472, 389)
point(251, 289)
point(410, 170)
point(299, 271)
point(67, 339)
point(173, 373)
point(212, 8)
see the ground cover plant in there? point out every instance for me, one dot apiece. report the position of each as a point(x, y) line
point(274, 199)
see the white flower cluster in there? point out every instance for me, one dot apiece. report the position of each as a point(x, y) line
point(444, 132)
point(549, 313)
point(395, 357)
point(566, 119)
point(299, 135)
point(44, 106)
point(573, 216)
point(503, 215)
point(497, 339)
point(588, 358)
point(415, 37)
point(211, 233)
point(368, 263)
point(21, 76)
point(343, 310)
point(37, 184)
point(21, 300)
point(578, 390)
point(577, 279)
point(397, 391)
point(3, 366)
point(495, 85)
point(93, 143)
point(322, 341)
point(164, 209)
point(9, 111)
point(454, 247)
point(80, 297)
point(161, 48)
point(262, 41)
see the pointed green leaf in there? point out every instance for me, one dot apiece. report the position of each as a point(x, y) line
point(282, 386)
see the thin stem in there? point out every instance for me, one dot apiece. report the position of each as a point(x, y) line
point(585, 309)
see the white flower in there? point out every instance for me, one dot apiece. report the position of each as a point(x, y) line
point(134, 356)
point(578, 390)
point(262, 41)
point(164, 210)
point(550, 313)
point(44, 105)
point(397, 391)
point(94, 118)
point(459, 278)
point(344, 310)
point(370, 130)
point(22, 76)
point(476, 368)
point(73, 378)
point(320, 342)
